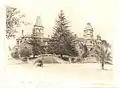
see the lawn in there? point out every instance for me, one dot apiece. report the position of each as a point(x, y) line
point(57, 75)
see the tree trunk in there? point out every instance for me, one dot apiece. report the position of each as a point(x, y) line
point(69, 60)
point(83, 60)
point(61, 55)
point(102, 63)
point(33, 55)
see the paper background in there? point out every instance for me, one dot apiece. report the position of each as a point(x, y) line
point(112, 20)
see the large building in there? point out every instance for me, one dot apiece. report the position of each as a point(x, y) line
point(37, 34)
point(89, 40)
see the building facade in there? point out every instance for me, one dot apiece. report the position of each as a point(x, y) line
point(88, 36)
point(37, 35)
point(88, 40)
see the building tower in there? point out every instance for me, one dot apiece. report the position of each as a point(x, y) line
point(88, 36)
point(38, 28)
point(98, 40)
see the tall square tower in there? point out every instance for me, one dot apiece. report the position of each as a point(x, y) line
point(88, 36)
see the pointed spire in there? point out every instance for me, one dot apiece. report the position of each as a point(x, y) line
point(88, 26)
point(38, 21)
point(98, 36)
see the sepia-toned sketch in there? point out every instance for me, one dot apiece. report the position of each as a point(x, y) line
point(51, 50)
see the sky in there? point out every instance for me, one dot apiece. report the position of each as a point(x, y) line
point(100, 13)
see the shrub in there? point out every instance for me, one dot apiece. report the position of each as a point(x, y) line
point(25, 52)
point(65, 57)
point(15, 54)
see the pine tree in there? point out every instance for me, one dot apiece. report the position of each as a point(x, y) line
point(36, 47)
point(61, 41)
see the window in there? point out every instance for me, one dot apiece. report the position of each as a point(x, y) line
point(90, 41)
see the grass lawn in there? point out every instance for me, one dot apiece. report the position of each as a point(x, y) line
point(56, 75)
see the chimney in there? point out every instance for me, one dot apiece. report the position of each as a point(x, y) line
point(22, 33)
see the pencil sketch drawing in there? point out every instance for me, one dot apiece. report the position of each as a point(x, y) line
point(66, 44)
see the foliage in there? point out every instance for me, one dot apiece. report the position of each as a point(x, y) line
point(25, 52)
point(13, 21)
point(15, 54)
point(36, 47)
point(61, 41)
point(106, 44)
point(85, 50)
point(103, 54)
point(81, 50)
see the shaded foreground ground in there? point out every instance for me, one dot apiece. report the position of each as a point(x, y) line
point(58, 75)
